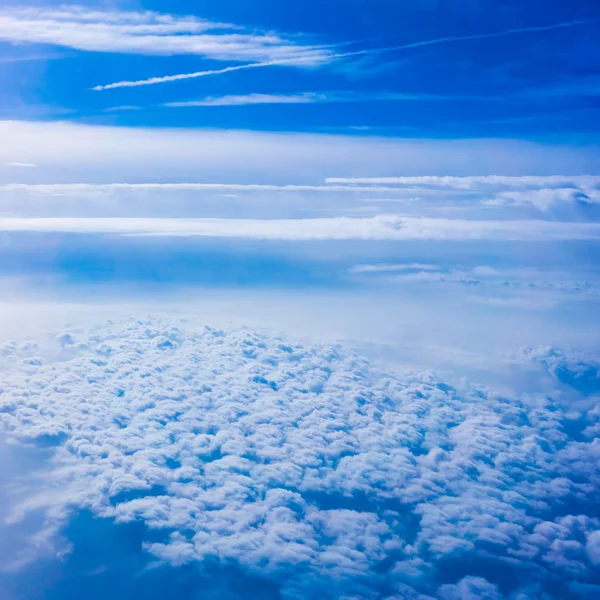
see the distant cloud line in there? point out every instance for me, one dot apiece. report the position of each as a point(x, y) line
point(382, 227)
point(473, 181)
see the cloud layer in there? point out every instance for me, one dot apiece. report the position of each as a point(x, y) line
point(68, 152)
point(383, 227)
point(307, 465)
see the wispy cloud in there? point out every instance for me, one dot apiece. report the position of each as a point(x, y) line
point(306, 98)
point(475, 182)
point(389, 268)
point(21, 165)
point(122, 108)
point(82, 189)
point(382, 227)
point(539, 192)
point(150, 33)
point(327, 57)
point(545, 198)
point(318, 97)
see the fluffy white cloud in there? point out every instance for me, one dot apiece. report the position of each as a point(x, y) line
point(305, 461)
point(575, 369)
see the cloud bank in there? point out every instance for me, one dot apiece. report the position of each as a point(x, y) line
point(308, 466)
point(69, 152)
point(383, 227)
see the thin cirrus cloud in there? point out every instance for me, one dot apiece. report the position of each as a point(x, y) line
point(475, 181)
point(306, 98)
point(90, 189)
point(148, 33)
point(382, 227)
point(316, 98)
point(330, 57)
point(392, 268)
point(21, 165)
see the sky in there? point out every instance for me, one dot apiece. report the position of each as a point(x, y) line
point(300, 300)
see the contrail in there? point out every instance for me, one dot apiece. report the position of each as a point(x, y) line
point(299, 61)
point(168, 78)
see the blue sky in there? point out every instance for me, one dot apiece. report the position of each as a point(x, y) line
point(474, 69)
point(300, 300)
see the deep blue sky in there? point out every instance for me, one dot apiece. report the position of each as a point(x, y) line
point(537, 84)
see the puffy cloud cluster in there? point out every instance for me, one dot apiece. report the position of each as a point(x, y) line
point(308, 465)
point(578, 371)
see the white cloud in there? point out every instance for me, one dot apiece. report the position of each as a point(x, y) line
point(577, 282)
point(544, 199)
point(382, 227)
point(147, 33)
point(21, 165)
point(539, 192)
point(89, 189)
point(474, 182)
point(310, 97)
point(306, 459)
point(69, 152)
point(387, 268)
point(306, 98)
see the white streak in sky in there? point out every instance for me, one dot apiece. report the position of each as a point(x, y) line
point(332, 57)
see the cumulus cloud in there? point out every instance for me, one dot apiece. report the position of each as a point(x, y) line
point(382, 227)
point(574, 369)
point(307, 463)
point(148, 32)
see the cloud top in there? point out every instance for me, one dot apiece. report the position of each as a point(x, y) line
point(307, 465)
